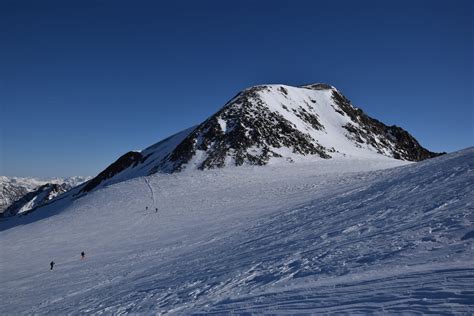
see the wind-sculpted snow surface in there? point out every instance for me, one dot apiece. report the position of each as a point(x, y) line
point(305, 238)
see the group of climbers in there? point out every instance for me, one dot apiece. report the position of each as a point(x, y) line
point(52, 263)
point(156, 209)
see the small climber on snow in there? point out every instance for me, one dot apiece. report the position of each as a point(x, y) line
point(83, 255)
point(156, 210)
point(51, 264)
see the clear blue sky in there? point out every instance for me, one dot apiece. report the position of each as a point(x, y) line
point(82, 82)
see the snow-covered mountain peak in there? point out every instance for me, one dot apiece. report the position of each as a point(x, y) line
point(279, 122)
point(271, 124)
point(318, 86)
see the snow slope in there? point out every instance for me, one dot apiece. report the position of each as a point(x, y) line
point(302, 238)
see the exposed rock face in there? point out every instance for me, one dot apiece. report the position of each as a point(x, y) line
point(246, 131)
point(270, 123)
point(400, 142)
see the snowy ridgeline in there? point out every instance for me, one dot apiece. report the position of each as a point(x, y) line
point(303, 238)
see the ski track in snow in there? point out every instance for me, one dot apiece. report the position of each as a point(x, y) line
point(152, 192)
point(295, 239)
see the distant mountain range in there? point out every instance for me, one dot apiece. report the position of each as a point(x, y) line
point(19, 195)
point(269, 124)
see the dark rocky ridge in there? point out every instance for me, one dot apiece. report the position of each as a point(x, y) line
point(130, 159)
point(406, 146)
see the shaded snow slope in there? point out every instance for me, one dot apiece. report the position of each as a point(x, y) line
point(302, 238)
point(270, 124)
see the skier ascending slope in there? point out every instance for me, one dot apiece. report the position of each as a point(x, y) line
point(83, 255)
point(51, 264)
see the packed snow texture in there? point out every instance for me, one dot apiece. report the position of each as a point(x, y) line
point(305, 238)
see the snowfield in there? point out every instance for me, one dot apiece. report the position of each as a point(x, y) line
point(331, 236)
